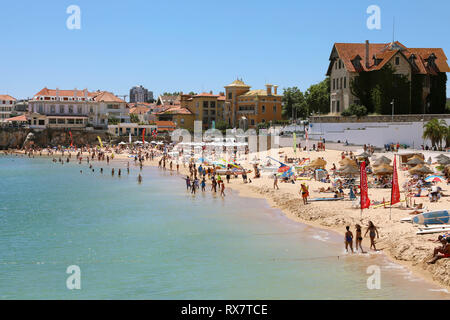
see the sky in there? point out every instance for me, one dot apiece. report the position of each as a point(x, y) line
point(196, 45)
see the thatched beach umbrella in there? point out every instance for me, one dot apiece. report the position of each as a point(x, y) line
point(381, 160)
point(318, 163)
point(347, 161)
point(348, 170)
point(415, 161)
point(420, 170)
point(383, 169)
point(363, 155)
point(442, 156)
point(444, 161)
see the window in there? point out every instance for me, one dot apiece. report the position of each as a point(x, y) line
point(334, 84)
point(230, 95)
point(79, 110)
point(341, 83)
point(274, 109)
point(397, 61)
point(338, 108)
point(345, 82)
point(61, 121)
point(205, 104)
point(91, 109)
point(41, 122)
point(212, 104)
point(41, 108)
point(52, 110)
point(263, 109)
point(182, 120)
point(70, 109)
point(71, 121)
point(61, 109)
point(52, 121)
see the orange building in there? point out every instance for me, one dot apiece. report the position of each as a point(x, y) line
point(206, 107)
point(251, 106)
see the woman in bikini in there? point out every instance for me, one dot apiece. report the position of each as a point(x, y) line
point(358, 242)
point(348, 239)
point(373, 231)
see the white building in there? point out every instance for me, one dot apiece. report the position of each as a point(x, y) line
point(57, 108)
point(7, 104)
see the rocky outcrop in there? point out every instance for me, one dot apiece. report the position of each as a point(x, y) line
point(11, 138)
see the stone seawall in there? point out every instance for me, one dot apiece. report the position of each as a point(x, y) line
point(12, 138)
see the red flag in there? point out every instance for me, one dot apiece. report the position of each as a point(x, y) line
point(143, 136)
point(365, 201)
point(395, 193)
point(71, 138)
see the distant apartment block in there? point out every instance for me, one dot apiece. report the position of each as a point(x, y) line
point(140, 94)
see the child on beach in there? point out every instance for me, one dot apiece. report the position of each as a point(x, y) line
point(373, 231)
point(305, 193)
point(222, 189)
point(275, 182)
point(203, 184)
point(348, 239)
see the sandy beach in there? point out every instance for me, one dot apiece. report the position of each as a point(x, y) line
point(397, 240)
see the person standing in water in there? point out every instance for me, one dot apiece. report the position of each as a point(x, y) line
point(203, 184)
point(112, 172)
point(275, 182)
point(348, 239)
point(139, 178)
point(372, 232)
point(222, 189)
point(358, 241)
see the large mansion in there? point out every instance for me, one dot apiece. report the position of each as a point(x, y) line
point(348, 60)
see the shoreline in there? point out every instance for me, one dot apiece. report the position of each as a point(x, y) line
point(315, 217)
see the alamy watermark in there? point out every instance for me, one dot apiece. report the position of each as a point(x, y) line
point(73, 282)
point(73, 22)
point(374, 20)
point(374, 280)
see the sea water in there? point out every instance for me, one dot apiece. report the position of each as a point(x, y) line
point(155, 240)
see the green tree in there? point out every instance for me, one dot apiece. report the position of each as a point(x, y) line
point(113, 120)
point(134, 118)
point(435, 130)
point(294, 104)
point(317, 97)
point(355, 110)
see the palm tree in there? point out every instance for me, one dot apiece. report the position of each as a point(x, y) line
point(435, 130)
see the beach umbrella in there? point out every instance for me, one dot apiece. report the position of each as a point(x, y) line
point(363, 155)
point(122, 143)
point(383, 169)
point(347, 161)
point(284, 168)
point(415, 161)
point(348, 170)
point(442, 156)
point(434, 179)
point(381, 160)
point(443, 161)
point(420, 170)
point(318, 163)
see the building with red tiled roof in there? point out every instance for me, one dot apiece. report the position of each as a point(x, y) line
point(182, 117)
point(7, 104)
point(165, 126)
point(76, 109)
point(349, 60)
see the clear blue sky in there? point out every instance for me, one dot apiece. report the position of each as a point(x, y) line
point(196, 45)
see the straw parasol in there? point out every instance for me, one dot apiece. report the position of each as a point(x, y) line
point(444, 161)
point(318, 163)
point(348, 170)
point(415, 161)
point(420, 170)
point(347, 161)
point(383, 169)
point(381, 160)
point(363, 155)
point(442, 156)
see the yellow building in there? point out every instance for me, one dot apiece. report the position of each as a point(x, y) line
point(181, 116)
point(206, 107)
point(253, 106)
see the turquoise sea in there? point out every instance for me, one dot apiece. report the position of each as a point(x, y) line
point(157, 241)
